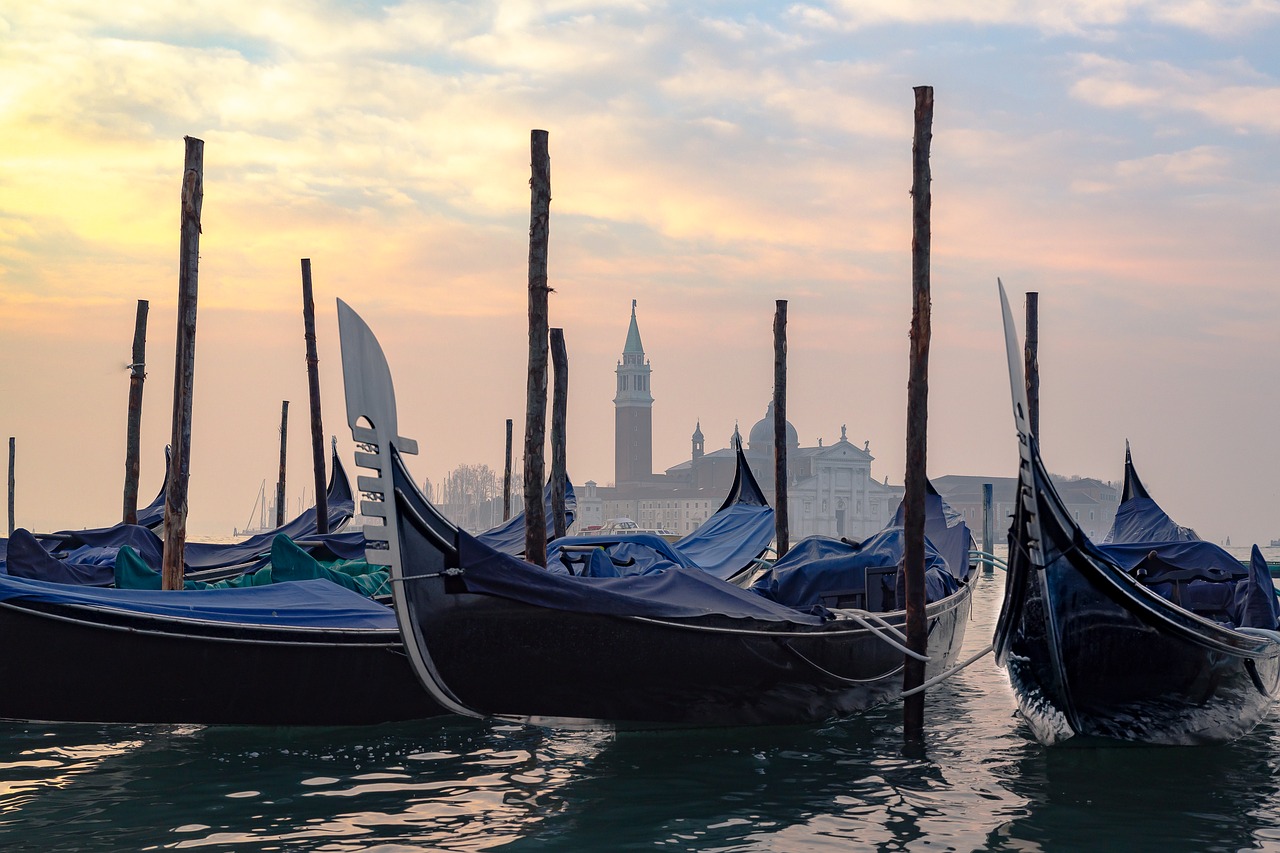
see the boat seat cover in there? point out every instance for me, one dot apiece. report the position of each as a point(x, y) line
point(730, 539)
point(820, 564)
point(675, 593)
point(304, 604)
point(27, 558)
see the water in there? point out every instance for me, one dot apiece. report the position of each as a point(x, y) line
point(459, 785)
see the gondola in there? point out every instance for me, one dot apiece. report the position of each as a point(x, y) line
point(493, 636)
point(89, 556)
point(1095, 654)
point(1139, 518)
point(299, 653)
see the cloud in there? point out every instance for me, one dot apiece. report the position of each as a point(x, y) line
point(1096, 19)
point(1228, 94)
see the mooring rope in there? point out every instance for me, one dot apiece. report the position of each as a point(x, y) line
point(937, 679)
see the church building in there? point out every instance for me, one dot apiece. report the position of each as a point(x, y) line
point(830, 490)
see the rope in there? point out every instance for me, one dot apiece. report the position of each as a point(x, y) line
point(950, 672)
point(851, 615)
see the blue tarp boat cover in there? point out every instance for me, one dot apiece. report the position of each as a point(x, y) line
point(945, 528)
point(675, 593)
point(819, 567)
point(1139, 518)
point(508, 537)
point(730, 539)
point(303, 604)
point(1142, 520)
point(738, 533)
point(83, 550)
point(1204, 578)
point(1177, 555)
point(614, 556)
point(27, 558)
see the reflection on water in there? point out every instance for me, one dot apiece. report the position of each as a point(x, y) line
point(462, 785)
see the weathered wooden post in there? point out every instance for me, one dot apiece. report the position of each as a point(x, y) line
point(559, 415)
point(1031, 358)
point(506, 478)
point(173, 568)
point(12, 451)
point(535, 517)
point(987, 508)
point(284, 443)
point(781, 515)
point(313, 389)
point(917, 421)
point(133, 430)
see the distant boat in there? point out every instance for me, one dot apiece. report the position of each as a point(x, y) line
point(622, 524)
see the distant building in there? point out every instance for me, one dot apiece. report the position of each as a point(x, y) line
point(1092, 503)
point(830, 489)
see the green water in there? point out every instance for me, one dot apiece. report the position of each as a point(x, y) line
point(460, 785)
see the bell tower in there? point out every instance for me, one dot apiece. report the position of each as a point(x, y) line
point(633, 412)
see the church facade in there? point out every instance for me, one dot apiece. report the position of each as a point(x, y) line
point(830, 488)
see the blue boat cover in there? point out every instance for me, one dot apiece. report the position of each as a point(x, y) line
point(738, 532)
point(1142, 520)
point(1139, 518)
point(819, 566)
point(1180, 555)
point(614, 556)
point(1256, 605)
point(508, 537)
point(27, 558)
point(945, 528)
point(303, 604)
point(675, 593)
point(730, 539)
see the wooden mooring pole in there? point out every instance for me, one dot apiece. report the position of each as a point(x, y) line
point(284, 444)
point(1031, 362)
point(172, 567)
point(133, 430)
point(781, 518)
point(987, 520)
point(559, 415)
point(917, 421)
point(506, 478)
point(535, 517)
point(313, 391)
point(12, 452)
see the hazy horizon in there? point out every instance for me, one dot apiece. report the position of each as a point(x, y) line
point(1116, 157)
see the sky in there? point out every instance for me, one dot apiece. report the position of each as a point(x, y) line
point(707, 159)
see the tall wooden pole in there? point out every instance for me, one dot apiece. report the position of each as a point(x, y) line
point(133, 431)
point(506, 478)
point(987, 521)
point(781, 518)
point(559, 415)
point(1031, 359)
point(917, 419)
point(175, 499)
point(535, 518)
point(12, 452)
point(313, 388)
point(284, 443)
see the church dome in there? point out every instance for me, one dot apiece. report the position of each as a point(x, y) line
point(761, 434)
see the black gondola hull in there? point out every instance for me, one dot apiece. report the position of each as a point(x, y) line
point(1092, 653)
point(1115, 675)
point(78, 664)
point(509, 659)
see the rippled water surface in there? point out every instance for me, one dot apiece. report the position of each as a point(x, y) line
point(983, 784)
